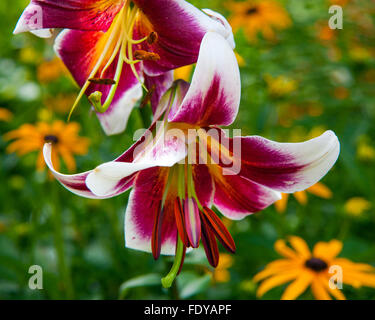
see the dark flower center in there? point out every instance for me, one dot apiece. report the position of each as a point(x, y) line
point(316, 264)
point(51, 138)
point(251, 11)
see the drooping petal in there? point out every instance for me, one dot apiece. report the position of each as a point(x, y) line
point(284, 167)
point(91, 15)
point(288, 167)
point(143, 206)
point(237, 197)
point(180, 28)
point(214, 95)
point(165, 150)
point(81, 51)
point(76, 182)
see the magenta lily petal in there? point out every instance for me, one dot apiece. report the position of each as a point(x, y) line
point(76, 182)
point(79, 51)
point(143, 205)
point(90, 15)
point(237, 197)
point(203, 184)
point(285, 167)
point(180, 27)
point(215, 91)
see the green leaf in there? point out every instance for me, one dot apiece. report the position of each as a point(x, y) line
point(145, 280)
point(191, 284)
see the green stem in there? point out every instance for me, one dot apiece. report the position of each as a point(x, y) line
point(167, 281)
point(59, 245)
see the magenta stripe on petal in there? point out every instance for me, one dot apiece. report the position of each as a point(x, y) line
point(91, 15)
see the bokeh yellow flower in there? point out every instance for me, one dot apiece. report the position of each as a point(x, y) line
point(221, 273)
point(311, 269)
point(319, 189)
point(5, 115)
point(356, 206)
point(29, 138)
point(365, 151)
point(258, 17)
point(49, 71)
point(280, 85)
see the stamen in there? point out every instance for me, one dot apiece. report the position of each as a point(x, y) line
point(145, 55)
point(104, 81)
point(156, 232)
point(180, 222)
point(220, 230)
point(209, 242)
point(152, 38)
point(192, 222)
point(147, 97)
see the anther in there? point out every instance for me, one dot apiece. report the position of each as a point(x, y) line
point(145, 55)
point(108, 82)
point(152, 38)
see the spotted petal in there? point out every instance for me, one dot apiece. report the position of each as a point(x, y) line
point(90, 15)
point(284, 167)
point(214, 95)
point(180, 27)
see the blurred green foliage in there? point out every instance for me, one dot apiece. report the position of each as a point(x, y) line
point(80, 243)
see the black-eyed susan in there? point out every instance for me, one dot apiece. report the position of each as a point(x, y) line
point(312, 269)
point(319, 189)
point(49, 71)
point(256, 17)
point(29, 138)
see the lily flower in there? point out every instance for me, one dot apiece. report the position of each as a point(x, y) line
point(176, 181)
point(114, 47)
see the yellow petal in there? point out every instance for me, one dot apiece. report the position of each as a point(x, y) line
point(320, 190)
point(327, 250)
point(301, 197)
point(281, 204)
point(300, 246)
point(284, 250)
point(275, 281)
point(319, 291)
point(297, 287)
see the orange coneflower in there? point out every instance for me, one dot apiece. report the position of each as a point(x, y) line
point(312, 269)
point(258, 17)
point(64, 137)
point(319, 189)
